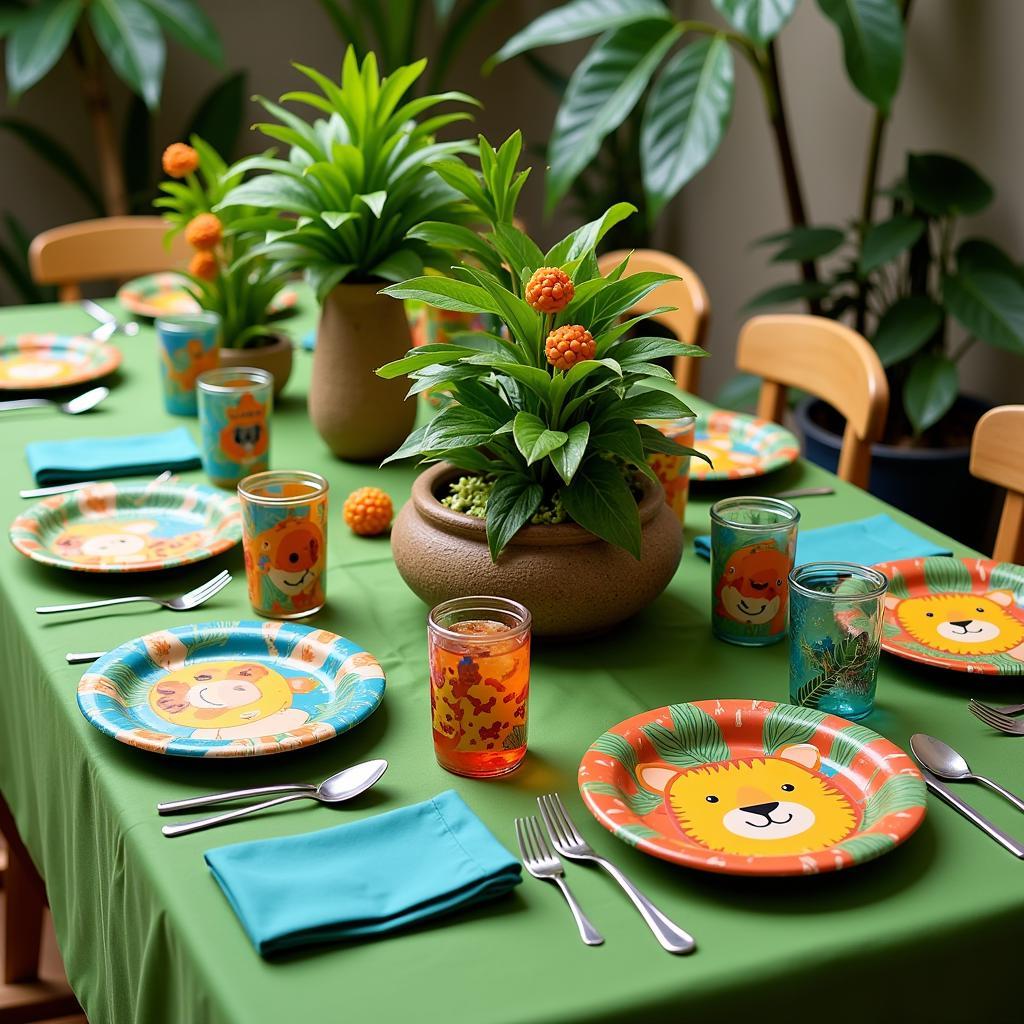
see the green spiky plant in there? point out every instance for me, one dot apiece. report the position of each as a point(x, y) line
point(346, 204)
point(538, 434)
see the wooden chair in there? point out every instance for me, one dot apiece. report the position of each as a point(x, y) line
point(997, 455)
point(111, 248)
point(832, 362)
point(689, 322)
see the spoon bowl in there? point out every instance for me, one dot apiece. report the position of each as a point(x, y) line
point(939, 758)
point(85, 401)
point(350, 782)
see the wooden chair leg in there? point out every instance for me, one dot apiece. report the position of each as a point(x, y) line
point(26, 901)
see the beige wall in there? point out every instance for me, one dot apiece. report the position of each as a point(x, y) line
point(961, 91)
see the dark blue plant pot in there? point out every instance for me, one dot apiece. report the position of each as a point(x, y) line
point(931, 484)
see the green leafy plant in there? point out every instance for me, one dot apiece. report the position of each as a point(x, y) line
point(349, 202)
point(225, 276)
point(542, 432)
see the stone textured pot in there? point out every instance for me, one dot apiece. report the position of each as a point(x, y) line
point(361, 416)
point(572, 582)
point(275, 357)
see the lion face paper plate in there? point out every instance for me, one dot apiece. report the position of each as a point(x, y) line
point(231, 689)
point(963, 614)
point(750, 787)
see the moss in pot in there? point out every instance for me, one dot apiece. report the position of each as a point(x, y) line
point(545, 411)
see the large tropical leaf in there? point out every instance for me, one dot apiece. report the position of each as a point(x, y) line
point(600, 500)
point(804, 243)
point(791, 291)
point(872, 34)
point(533, 437)
point(512, 502)
point(604, 88)
point(37, 38)
point(130, 36)
point(884, 242)
point(761, 20)
point(930, 390)
point(218, 118)
point(186, 22)
point(577, 20)
point(945, 186)
point(905, 327)
point(988, 304)
point(685, 119)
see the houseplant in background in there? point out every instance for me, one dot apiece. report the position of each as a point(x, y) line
point(226, 276)
point(345, 208)
point(126, 37)
point(538, 466)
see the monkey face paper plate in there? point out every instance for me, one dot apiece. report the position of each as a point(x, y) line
point(231, 689)
point(751, 787)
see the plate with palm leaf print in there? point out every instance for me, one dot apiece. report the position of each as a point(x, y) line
point(751, 787)
point(34, 362)
point(740, 446)
point(167, 294)
point(963, 614)
point(231, 689)
point(117, 527)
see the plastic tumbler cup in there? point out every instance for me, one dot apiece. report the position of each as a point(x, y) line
point(189, 346)
point(835, 636)
point(753, 541)
point(234, 422)
point(284, 537)
point(479, 650)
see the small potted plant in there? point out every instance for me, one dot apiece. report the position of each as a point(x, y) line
point(538, 483)
point(357, 204)
point(226, 275)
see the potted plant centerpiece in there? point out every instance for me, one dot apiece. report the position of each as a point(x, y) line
point(538, 485)
point(346, 207)
point(226, 275)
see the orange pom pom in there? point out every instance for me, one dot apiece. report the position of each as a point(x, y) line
point(179, 160)
point(203, 265)
point(568, 345)
point(368, 511)
point(549, 290)
point(204, 231)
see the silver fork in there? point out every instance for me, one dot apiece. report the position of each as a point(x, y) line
point(569, 843)
point(999, 718)
point(541, 862)
point(184, 603)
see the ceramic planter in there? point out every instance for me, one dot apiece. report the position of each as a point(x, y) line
point(572, 582)
point(359, 415)
point(275, 357)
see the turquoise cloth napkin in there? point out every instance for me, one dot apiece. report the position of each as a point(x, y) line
point(864, 541)
point(366, 878)
point(309, 341)
point(102, 458)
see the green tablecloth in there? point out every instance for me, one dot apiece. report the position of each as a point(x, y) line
point(147, 936)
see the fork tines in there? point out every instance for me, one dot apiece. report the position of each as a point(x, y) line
point(533, 845)
point(996, 719)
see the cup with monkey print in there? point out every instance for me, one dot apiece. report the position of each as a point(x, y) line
point(189, 346)
point(235, 404)
point(284, 539)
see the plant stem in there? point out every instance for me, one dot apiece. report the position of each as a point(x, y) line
point(97, 102)
point(963, 349)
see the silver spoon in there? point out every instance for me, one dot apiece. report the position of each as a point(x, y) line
point(80, 403)
point(942, 760)
point(335, 790)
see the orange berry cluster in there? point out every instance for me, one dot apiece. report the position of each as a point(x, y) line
point(179, 160)
point(368, 511)
point(549, 290)
point(568, 345)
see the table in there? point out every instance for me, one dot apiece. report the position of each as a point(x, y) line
point(147, 935)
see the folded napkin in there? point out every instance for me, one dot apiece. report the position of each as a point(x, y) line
point(864, 541)
point(101, 458)
point(365, 878)
point(309, 341)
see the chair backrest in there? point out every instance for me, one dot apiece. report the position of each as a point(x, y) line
point(111, 248)
point(997, 455)
point(689, 322)
point(828, 360)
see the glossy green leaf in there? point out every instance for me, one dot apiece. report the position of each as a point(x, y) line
point(131, 39)
point(804, 243)
point(586, 238)
point(185, 21)
point(643, 349)
point(218, 118)
point(686, 116)
point(760, 20)
point(930, 390)
point(444, 293)
point(577, 20)
point(418, 358)
point(458, 427)
point(988, 304)
point(512, 502)
point(885, 241)
point(739, 392)
point(600, 500)
point(604, 88)
point(979, 254)
point(945, 186)
point(872, 34)
point(58, 156)
point(905, 327)
point(533, 438)
point(789, 292)
point(567, 458)
point(651, 405)
point(410, 447)
point(37, 39)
